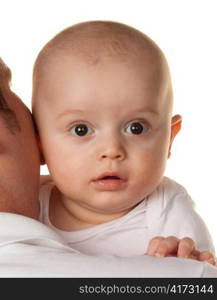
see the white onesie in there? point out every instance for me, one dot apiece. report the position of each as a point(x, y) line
point(169, 210)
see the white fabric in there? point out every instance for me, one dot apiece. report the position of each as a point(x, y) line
point(30, 249)
point(167, 211)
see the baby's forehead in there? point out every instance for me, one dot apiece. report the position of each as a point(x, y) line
point(113, 84)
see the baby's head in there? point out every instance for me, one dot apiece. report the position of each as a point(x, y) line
point(102, 101)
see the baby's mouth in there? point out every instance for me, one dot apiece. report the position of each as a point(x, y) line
point(109, 178)
point(109, 182)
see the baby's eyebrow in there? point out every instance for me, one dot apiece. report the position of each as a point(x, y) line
point(79, 111)
point(146, 110)
point(69, 112)
point(8, 115)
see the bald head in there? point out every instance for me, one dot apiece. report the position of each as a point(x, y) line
point(99, 39)
point(96, 41)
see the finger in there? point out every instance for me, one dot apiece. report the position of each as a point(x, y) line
point(186, 248)
point(153, 245)
point(208, 257)
point(167, 247)
point(195, 254)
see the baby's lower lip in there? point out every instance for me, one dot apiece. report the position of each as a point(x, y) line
point(109, 184)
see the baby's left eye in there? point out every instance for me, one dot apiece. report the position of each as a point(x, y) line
point(137, 128)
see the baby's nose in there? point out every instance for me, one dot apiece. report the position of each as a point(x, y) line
point(112, 149)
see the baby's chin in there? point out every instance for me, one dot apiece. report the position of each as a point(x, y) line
point(111, 205)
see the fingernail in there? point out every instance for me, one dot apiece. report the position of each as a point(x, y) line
point(158, 254)
point(211, 261)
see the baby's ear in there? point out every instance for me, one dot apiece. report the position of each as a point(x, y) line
point(176, 124)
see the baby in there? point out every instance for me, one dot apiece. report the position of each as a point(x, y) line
point(102, 102)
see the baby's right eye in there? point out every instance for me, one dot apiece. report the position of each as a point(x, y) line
point(81, 130)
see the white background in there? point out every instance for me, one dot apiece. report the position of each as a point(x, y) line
point(186, 30)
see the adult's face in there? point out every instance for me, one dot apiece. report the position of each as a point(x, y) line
point(19, 157)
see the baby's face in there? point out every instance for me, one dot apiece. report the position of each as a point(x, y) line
point(105, 131)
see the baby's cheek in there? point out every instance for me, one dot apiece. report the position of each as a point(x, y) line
point(155, 153)
point(68, 166)
point(149, 166)
point(147, 153)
